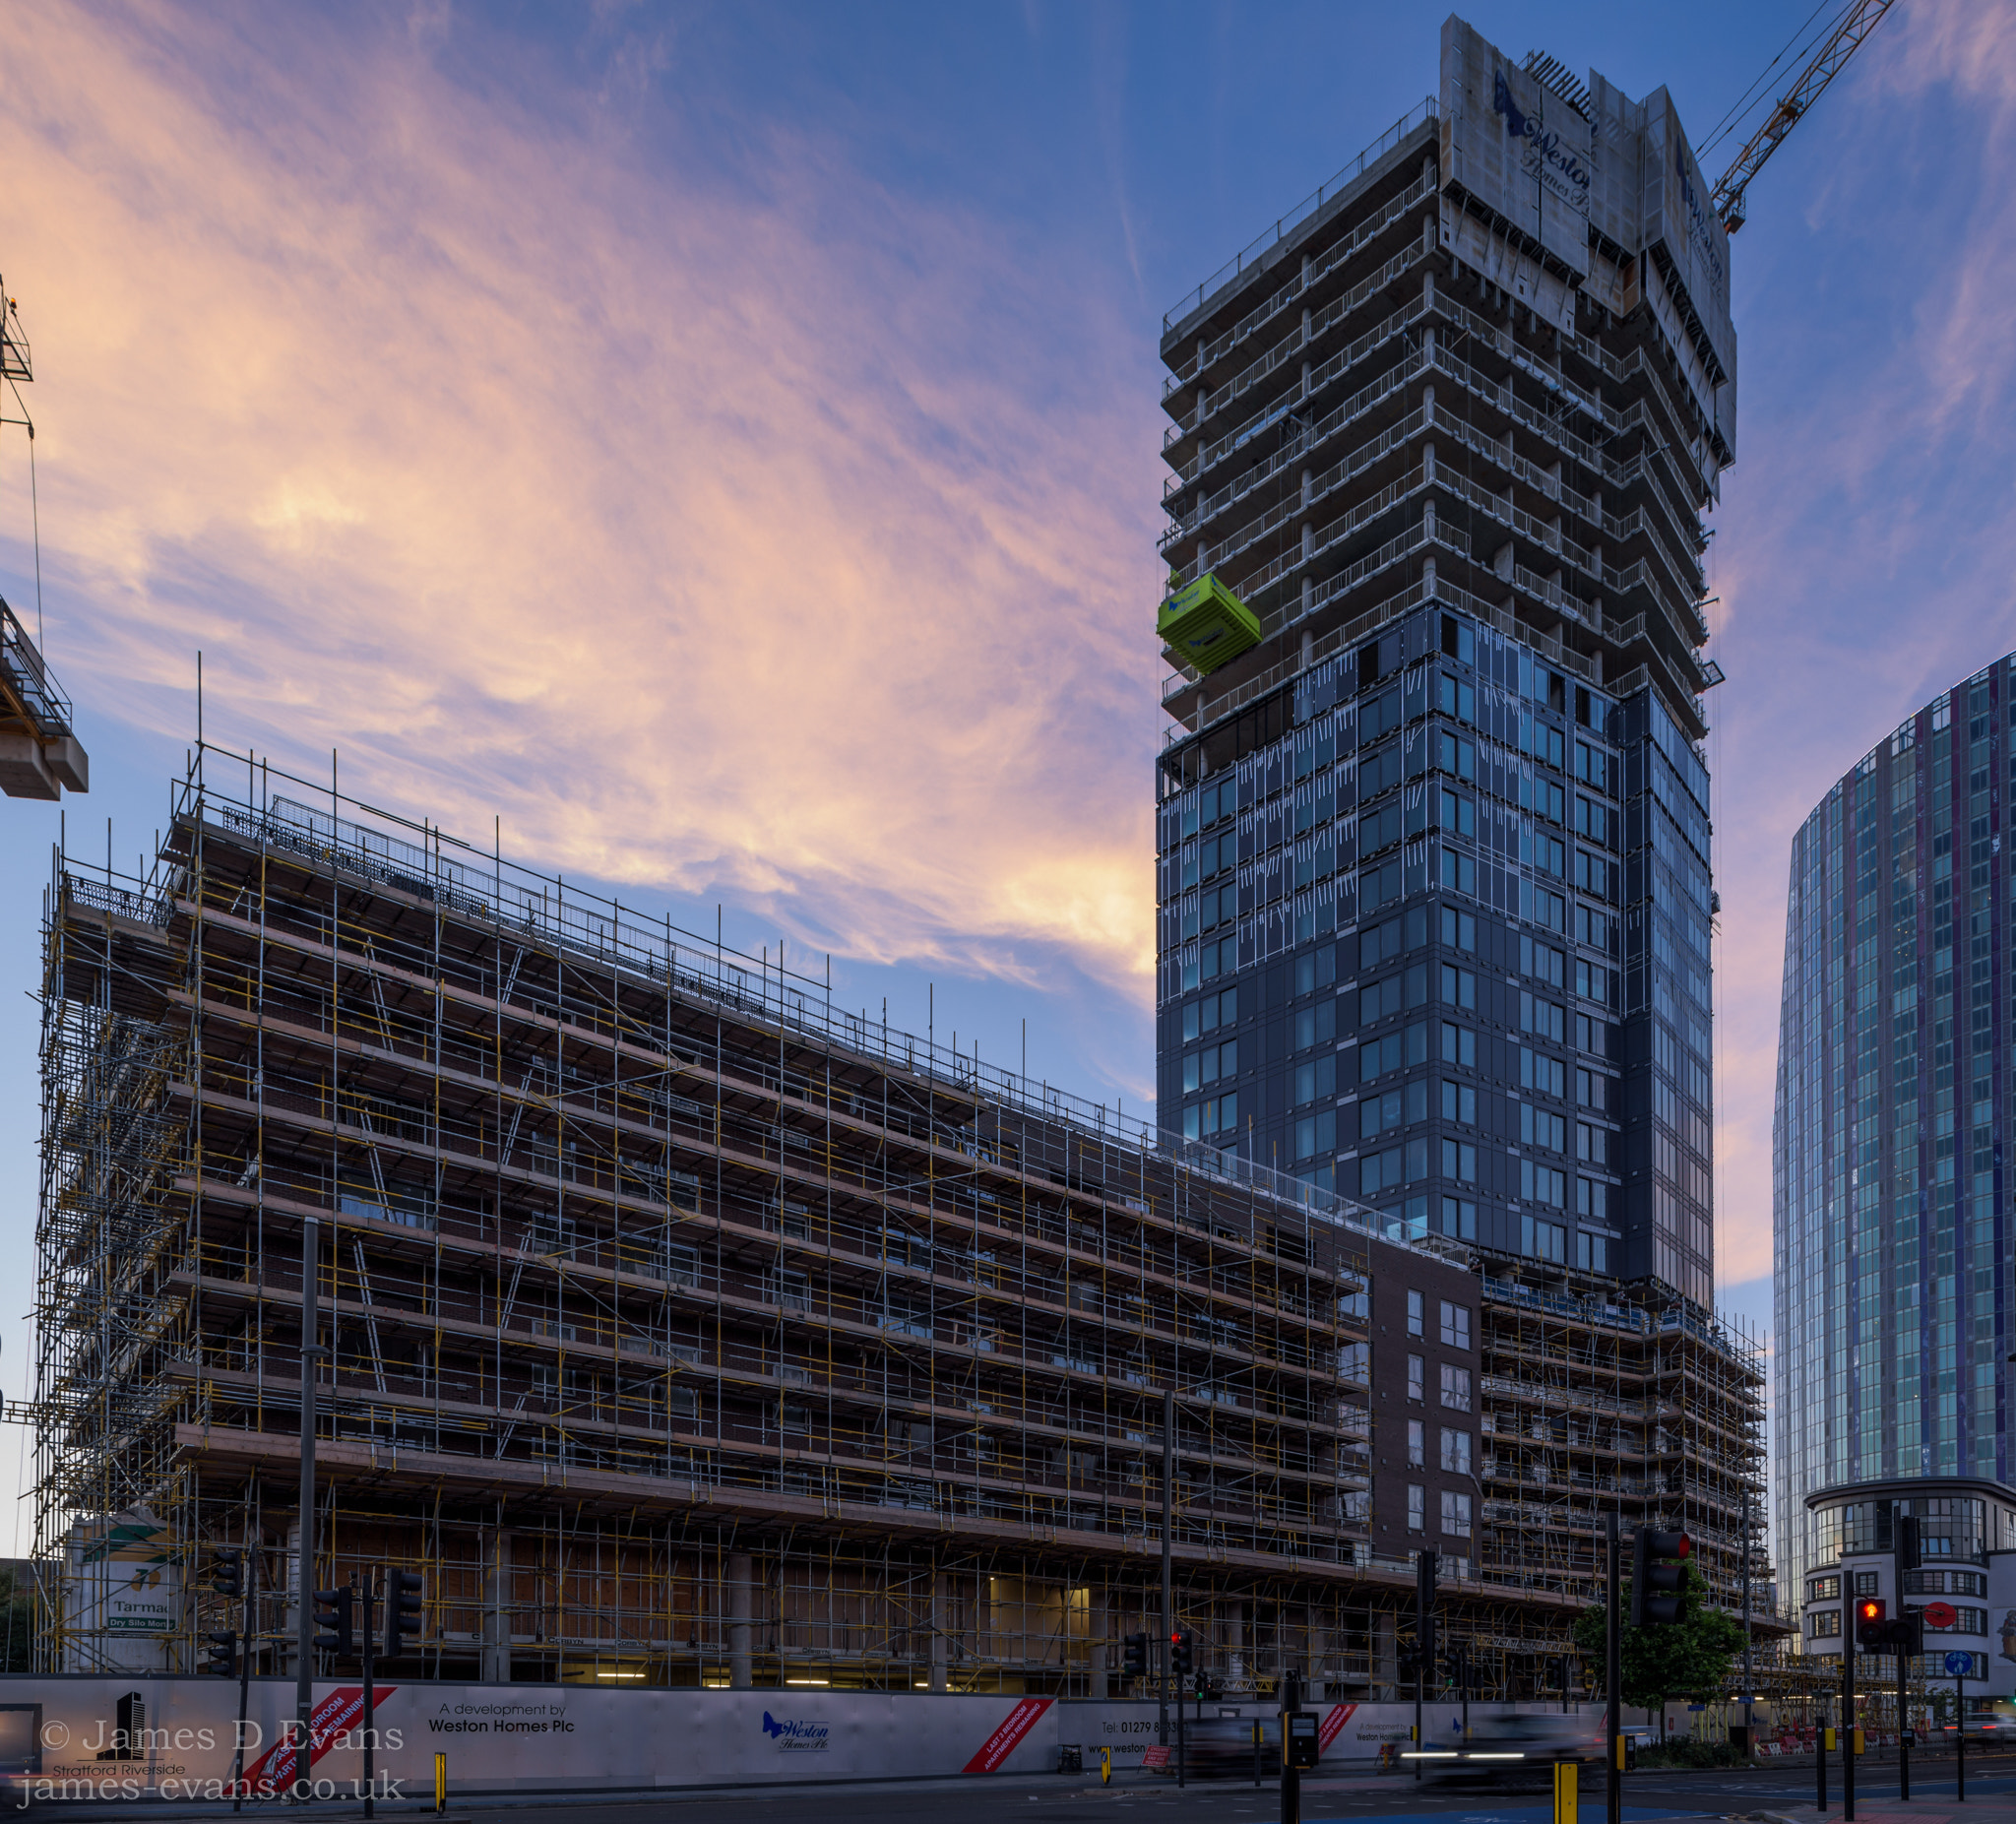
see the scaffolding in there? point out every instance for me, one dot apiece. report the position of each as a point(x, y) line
point(685, 1329)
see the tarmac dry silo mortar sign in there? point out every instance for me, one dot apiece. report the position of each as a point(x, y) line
point(122, 1593)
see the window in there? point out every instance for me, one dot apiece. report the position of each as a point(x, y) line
point(1378, 1114)
point(1595, 981)
point(1414, 1303)
point(1865, 1582)
point(1540, 1127)
point(1455, 1325)
point(1541, 1240)
point(1315, 968)
point(1593, 1143)
point(1592, 820)
point(1417, 1444)
point(1824, 1589)
point(1210, 1064)
point(1417, 1508)
point(1546, 1017)
point(1543, 962)
point(1459, 1104)
point(1459, 1218)
point(1824, 1625)
point(1316, 1133)
point(1543, 1184)
point(1459, 1045)
point(1315, 1079)
point(1455, 1450)
point(1355, 1363)
point(1965, 1621)
point(1456, 698)
point(1459, 813)
point(1377, 1056)
point(1537, 1071)
point(1593, 1090)
point(1459, 1161)
point(1458, 988)
point(1455, 1387)
point(1592, 1252)
point(1417, 1379)
point(1455, 1514)
point(1315, 1026)
point(1453, 754)
point(1458, 929)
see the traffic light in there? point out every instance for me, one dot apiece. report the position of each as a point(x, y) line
point(1183, 1654)
point(227, 1574)
point(1871, 1624)
point(1135, 1664)
point(333, 1609)
point(222, 1655)
point(1409, 1665)
point(402, 1619)
point(1659, 1570)
point(1907, 1634)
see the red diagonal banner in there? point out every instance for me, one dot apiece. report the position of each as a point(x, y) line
point(341, 1710)
point(1008, 1738)
point(1334, 1720)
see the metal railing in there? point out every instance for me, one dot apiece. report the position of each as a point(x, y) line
point(25, 674)
point(1263, 244)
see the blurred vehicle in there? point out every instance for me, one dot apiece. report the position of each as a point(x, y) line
point(1501, 1747)
point(20, 1753)
point(1222, 1748)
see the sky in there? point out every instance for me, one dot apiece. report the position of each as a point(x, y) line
point(717, 447)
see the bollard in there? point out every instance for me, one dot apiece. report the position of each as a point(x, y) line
point(440, 1785)
point(1105, 1767)
point(1566, 1782)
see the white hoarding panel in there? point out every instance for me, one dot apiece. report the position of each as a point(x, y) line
point(174, 1737)
point(2002, 1654)
point(1514, 144)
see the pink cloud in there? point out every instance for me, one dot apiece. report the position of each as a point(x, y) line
point(797, 547)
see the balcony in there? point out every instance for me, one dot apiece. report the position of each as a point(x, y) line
point(39, 754)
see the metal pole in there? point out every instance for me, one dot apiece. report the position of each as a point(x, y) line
point(1614, 1713)
point(1290, 1774)
point(1749, 1682)
point(1820, 1754)
point(1960, 1742)
point(244, 1678)
point(1169, 1606)
point(1902, 1717)
point(1847, 1695)
point(370, 1709)
point(304, 1561)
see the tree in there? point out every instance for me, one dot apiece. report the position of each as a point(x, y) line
point(1689, 1659)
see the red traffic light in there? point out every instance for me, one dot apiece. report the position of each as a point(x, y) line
point(1869, 1609)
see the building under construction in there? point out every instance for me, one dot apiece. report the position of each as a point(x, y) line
point(683, 1328)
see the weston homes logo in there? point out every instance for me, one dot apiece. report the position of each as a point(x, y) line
point(1548, 158)
point(795, 1737)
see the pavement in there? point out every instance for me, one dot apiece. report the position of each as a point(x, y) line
point(1770, 1793)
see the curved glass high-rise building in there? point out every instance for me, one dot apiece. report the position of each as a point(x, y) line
point(1891, 1239)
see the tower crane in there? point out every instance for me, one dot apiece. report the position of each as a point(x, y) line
point(1857, 21)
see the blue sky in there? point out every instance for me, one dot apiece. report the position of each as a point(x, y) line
point(720, 442)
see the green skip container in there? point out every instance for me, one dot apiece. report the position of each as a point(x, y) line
point(1205, 624)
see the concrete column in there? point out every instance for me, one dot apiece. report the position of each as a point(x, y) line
point(742, 1597)
point(941, 1627)
point(1234, 1643)
point(496, 1657)
point(1097, 1626)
